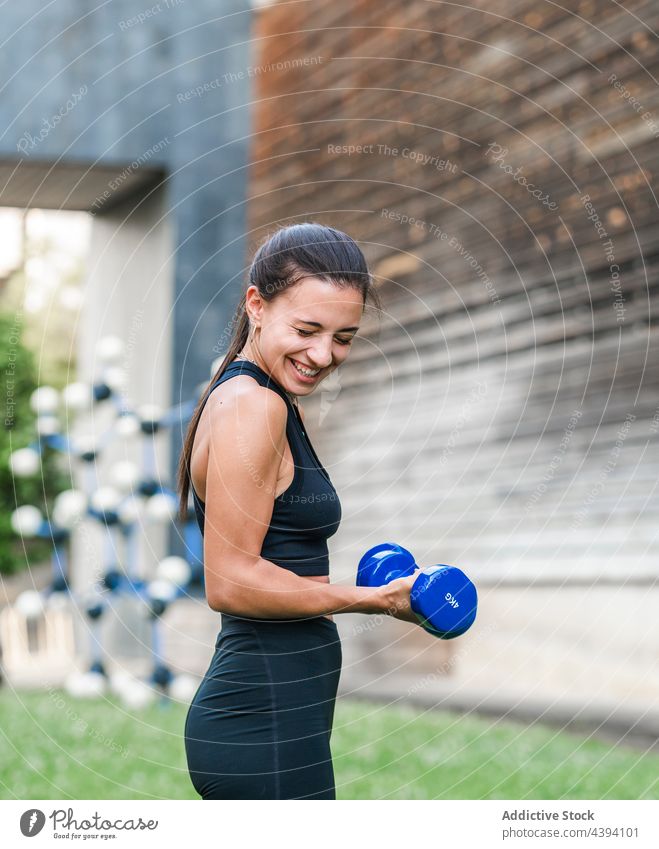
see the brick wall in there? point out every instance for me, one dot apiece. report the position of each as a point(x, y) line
point(513, 376)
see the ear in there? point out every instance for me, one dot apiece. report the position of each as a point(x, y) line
point(254, 305)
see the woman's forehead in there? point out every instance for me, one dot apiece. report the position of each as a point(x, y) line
point(311, 293)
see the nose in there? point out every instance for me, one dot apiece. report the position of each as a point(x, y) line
point(320, 352)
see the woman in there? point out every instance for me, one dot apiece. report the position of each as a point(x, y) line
point(259, 725)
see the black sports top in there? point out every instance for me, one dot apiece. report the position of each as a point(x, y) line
point(309, 511)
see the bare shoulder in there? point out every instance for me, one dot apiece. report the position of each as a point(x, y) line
point(248, 410)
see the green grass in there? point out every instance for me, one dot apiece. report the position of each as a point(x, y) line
point(385, 752)
point(55, 747)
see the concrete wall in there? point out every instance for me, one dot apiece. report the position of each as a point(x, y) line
point(139, 115)
point(501, 415)
point(117, 91)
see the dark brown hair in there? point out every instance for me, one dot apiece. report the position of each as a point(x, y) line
point(282, 260)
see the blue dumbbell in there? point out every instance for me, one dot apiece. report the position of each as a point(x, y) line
point(443, 598)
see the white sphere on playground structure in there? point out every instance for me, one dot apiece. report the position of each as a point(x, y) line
point(92, 597)
point(137, 695)
point(47, 425)
point(59, 600)
point(115, 377)
point(110, 349)
point(161, 507)
point(129, 511)
point(71, 297)
point(161, 590)
point(85, 685)
point(119, 681)
point(30, 603)
point(45, 399)
point(77, 396)
point(127, 425)
point(174, 569)
point(25, 462)
point(125, 475)
point(105, 498)
point(183, 687)
point(85, 442)
point(26, 520)
point(69, 507)
point(149, 412)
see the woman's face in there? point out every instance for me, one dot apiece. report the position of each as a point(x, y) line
point(311, 324)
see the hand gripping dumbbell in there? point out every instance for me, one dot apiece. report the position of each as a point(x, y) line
point(443, 598)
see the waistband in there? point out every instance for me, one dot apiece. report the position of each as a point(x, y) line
point(232, 624)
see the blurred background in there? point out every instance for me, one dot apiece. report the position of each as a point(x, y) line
point(498, 167)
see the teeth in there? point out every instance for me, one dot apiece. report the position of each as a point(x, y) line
point(304, 371)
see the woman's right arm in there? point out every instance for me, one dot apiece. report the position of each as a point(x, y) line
point(246, 446)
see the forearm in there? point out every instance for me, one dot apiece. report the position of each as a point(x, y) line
point(264, 590)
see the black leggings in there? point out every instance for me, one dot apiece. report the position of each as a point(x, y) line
point(259, 725)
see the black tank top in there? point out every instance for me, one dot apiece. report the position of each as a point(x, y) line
point(309, 511)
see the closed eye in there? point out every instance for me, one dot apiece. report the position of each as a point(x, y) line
point(310, 333)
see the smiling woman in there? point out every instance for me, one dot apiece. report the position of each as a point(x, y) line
point(259, 725)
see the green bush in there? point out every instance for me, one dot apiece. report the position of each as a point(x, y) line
point(19, 380)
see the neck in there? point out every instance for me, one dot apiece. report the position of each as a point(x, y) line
point(293, 398)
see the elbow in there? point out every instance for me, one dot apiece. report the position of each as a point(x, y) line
point(214, 603)
point(219, 599)
point(224, 596)
point(216, 596)
point(216, 588)
point(226, 592)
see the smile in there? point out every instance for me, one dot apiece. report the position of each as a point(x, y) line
point(304, 372)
